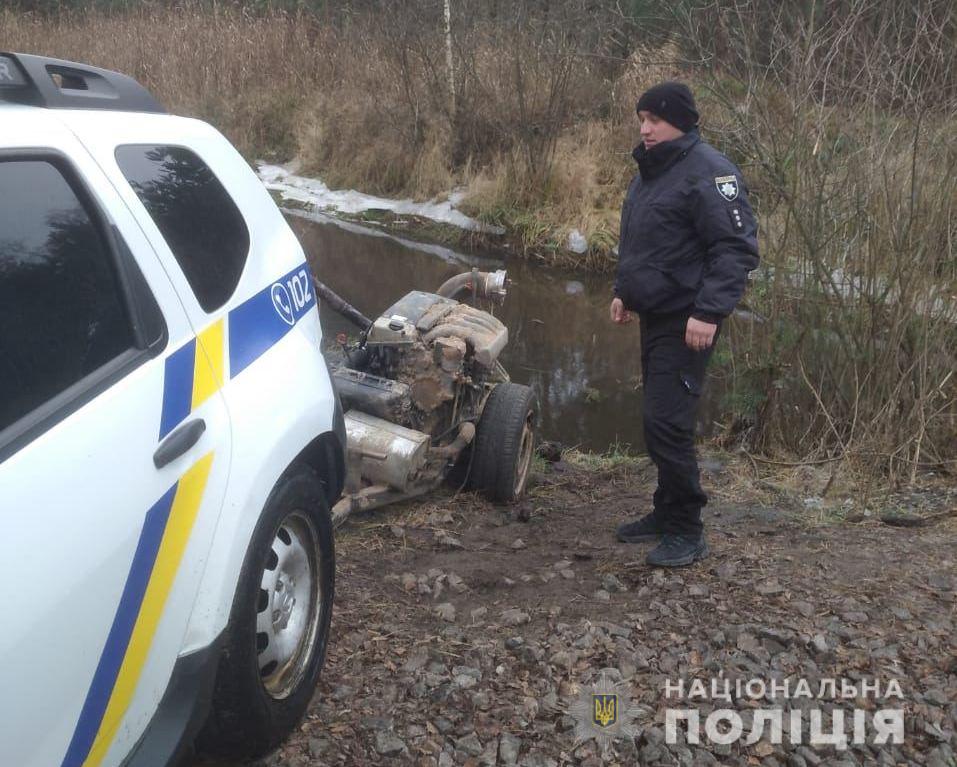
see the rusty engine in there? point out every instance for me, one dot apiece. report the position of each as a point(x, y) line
point(414, 385)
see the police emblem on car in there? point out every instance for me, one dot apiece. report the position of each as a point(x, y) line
point(727, 187)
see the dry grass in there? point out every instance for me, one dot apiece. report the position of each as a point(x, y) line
point(845, 127)
point(219, 64)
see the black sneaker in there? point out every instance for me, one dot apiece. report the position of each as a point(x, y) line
point(677, 551)
point(648, 528)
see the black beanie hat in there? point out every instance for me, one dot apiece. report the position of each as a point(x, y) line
point(671, 101)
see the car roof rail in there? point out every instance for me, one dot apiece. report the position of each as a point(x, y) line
point(55, 84)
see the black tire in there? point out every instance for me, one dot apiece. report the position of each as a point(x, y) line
point(505, 443)
point(254, 709)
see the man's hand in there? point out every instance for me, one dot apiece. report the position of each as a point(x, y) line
point(619, 314)
point(699, 335)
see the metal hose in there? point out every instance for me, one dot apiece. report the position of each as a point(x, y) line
point(489, 285)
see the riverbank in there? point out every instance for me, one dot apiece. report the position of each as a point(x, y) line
point(843, 124)
point(440, 220)
point(465, 633)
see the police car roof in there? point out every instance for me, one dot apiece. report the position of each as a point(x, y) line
point(27, 127)
point(55, 84)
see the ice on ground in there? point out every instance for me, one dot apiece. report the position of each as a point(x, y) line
point(312, 191)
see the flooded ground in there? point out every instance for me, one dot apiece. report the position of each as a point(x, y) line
point(585, 370)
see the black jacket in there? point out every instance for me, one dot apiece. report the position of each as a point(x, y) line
point(688, 235)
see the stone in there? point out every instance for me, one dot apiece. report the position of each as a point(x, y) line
point(343, 692)
point(769, 587)
point(317, 746)
point(725, 571)
point(446, 611)
point(806, 609)
point(612, 584)
point(563, 660)
point(388, 744)
point(488, 756)
point(447, 541)
point(808, 755)
point(515, 617)
point(509, 748)
point(417, 661)
point(536, 759)
point(518, 543)
point(443, 725)
point(613, 629)
point(937, 697)
point(585, 641)
point(464, 681)
point(855, 617)
point(747, 642)
point(901, 613)
point(942, 581)
point(377, 722)
point(470, 744)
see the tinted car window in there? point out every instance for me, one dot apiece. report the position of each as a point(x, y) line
point(200, 222)
point(62, 315)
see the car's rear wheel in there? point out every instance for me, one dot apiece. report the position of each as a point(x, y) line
point(279, 625)
point(505, 442)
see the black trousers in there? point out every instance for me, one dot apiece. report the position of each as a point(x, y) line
point(673, 376)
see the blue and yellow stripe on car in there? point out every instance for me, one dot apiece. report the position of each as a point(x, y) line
point(159, 551)
point(198, 369)
point(192, 374)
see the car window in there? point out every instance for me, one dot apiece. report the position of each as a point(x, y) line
point(199, 221)
point(62, 314)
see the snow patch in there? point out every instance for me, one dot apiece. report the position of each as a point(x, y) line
point(312, 191)
point(577, 242)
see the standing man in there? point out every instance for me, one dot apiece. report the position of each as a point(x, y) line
point(688, 240)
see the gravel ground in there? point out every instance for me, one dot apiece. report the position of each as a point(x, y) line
point(465, 633)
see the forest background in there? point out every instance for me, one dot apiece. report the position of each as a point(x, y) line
point(842, 115)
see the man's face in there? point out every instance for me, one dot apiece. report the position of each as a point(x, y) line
point(655, 131)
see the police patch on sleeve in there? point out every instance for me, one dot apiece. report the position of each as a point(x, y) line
point(727, 187)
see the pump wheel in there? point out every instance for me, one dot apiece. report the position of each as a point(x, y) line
point(505, 442)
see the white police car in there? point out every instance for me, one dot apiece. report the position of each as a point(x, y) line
point(170, 443)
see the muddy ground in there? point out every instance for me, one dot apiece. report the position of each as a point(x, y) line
point(464, 633)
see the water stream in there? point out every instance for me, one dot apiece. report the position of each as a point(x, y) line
point(585, 370)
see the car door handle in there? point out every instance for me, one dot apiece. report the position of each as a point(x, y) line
point(177, 443)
